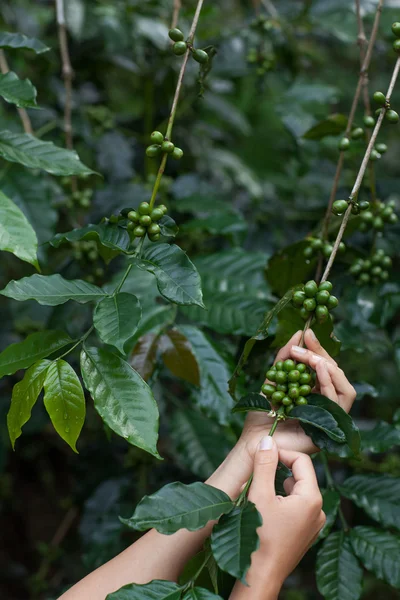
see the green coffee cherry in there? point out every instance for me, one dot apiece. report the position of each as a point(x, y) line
point(374, 155)
point(396, 29)
point(327, 250)
point(179, 48)
point(381, 148)
point(271, 375)
point(304, 390)
point(286, 401)
point(289, 365)
point(369, 121)
point(364, 204)
point(321, 313)
point(279, 365)
point(281, 377)
point(145, 220)
point(344, 144)
point(392, 116)
point(355, 208)
point(154, 238)
point(167, 147)
point(325, 286)
point(322, 297)
point(301, 367)
point(177, 153)
point(304, 314)
point(294, 375)
point(153, 151)
point(277, 397)
point(200, 56)
point(317, 244)
point(339, 207)
point(156, 137)
point(144, 208)
point(268, 389)
point(305, 377)
point(310, 304)
point(153, 229)
point(301, 401)
point(308, 252)
point(176, 35)
point(396, 46)
point(293, 393)
point(379, 98)
point(298, 298)
point(310, 288)
point(156, 214)
point(139, 231)
point(281, 387)
point(357, 133)
point(133, 216)
point(333, 302)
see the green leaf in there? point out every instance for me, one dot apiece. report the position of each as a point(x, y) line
point(339, 575)
point(378, 495)
point(288, 267)
point(332, 125)
point(234, 538)
point(200, 443)
point(16, 233)
point(213, 395)
point(261, 334)
point(117, 318)
point(155, 590)
point(198, 593)
point(107, 234)
point(143, 357)
point(321, 419)
point(64, 401)
point(178, 506)
point(345, 423)
point(252, 401)
point(168, 227)
point(24, 395)
point(52, 290)
point(17, 91)
point(121, 397)
point(331, 503)
point(34, 347)
point(178, 356)
point(381, 438)
point(282, 473)
point(33, 153)
point(18, 40)
point(217, 224)
point(379, 552)
point(177, 277)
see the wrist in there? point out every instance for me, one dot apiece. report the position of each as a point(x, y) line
point(234, 472)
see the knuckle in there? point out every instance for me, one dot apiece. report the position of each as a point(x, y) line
point(322, 519)
point(265, 458)
point(316, 503)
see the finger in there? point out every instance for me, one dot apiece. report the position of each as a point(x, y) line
point(325, 381)
point(284, 352)
point(342, 385)
point(288, 485)
point(303, 472)
point(314, 345)
point(305, 356)
point(265, 462)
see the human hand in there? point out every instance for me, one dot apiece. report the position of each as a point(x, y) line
point(290, 524)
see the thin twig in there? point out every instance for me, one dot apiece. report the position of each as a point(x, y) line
point(359, 87)
point(269, 6)
point(23, 115)
point(175, 13)
point(361, 172)
point(67, 73)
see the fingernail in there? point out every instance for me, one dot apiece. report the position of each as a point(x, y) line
point(312, 334)
point(299, 350)
point(266, 443)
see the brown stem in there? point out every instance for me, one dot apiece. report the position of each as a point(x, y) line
point(359, 87)
point(175, 13)
point(269, 6)
point(23, 115)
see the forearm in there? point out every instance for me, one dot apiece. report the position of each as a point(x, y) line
point(263, 582)
point(157, 556)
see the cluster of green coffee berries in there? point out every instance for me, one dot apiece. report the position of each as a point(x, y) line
point(315, 300)
point(144, 221)
point(396, 31)
point(159, 145)
point(85, 250)
point(339, 207)
point(181, 46)
point(265, 60)
point(390, 114)
point(372, 270)
point(377, 218)
point(317, 245)
point(356, 134)
point(290, 384)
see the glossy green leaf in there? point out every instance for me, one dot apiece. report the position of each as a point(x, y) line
point(213, 395)
point(198, 593)
point(234, 538)
point(282, 473)
point(351, 447)
point(143, 357)
point(331, 503)
point(252, 401)
point(178, 506)
point(121, 397)
point(168, 227)
point(17, 91)
point(155, 590)
point(339, 575)
point(200, 443)
point(288, 267)
point(34, 347)
point(177, 277)
point(320, 418)
point(378, 495)
point(16, 233)
point(261, 334)
point(64, 401)
point(379, 552)
point(117, 318)
point(52, 290)
point(178, 356)
point(381, 438)
point(107, 234)
point(24, 395)
point(25, 149)
point(332, 125)
point(18, 40)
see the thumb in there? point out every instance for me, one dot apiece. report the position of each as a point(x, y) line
point(265, 463)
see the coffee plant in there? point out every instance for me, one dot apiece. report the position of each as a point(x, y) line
point(145, 296)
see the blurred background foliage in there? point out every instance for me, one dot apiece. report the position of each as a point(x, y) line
point(248, 186)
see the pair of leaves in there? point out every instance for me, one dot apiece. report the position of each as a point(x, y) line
point(161, 590)
point(16, 233)
point(17, 91)
point(63, 398)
